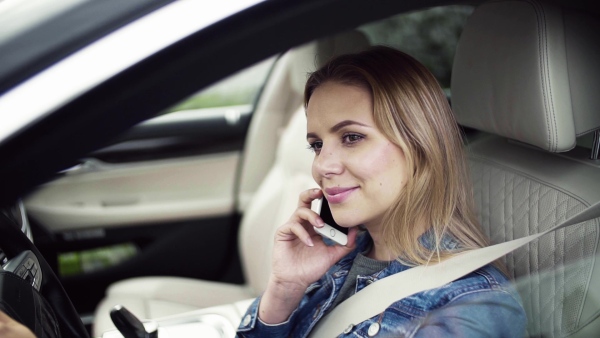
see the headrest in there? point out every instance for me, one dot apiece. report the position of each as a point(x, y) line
point(293, 154)
point(528, 71)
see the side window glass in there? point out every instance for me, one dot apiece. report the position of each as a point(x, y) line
point(430, 36)
point(239, 89)
point(214, 120)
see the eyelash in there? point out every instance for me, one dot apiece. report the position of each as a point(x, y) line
point(313, 146)
point(345, 140)
point(358, 137)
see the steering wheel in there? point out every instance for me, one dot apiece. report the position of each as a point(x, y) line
point(14, 242)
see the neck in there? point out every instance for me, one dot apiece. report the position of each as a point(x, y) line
point(378, 251)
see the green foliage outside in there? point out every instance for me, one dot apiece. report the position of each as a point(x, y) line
point(430, 36)
point(74, 263)
point(216, 99)
point(238, 89)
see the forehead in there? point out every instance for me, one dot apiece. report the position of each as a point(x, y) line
point(332, 102)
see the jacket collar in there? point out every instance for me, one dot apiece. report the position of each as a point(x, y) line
point(364, 241)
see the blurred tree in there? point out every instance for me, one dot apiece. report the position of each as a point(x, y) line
point(430, 36)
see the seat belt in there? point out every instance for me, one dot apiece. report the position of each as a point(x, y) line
point(368, 302)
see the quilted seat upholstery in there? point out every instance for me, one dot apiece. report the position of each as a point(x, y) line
point(518, 80)
point(552, 274)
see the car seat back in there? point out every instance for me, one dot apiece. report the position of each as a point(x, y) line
point(277, 195)
point(524, 74)
point(282, 95)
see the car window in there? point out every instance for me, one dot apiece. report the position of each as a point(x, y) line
point(430, 36)
point(241, 88)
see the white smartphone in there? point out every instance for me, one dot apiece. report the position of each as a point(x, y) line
point(331, 229)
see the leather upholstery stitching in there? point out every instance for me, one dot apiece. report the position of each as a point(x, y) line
point(547, 73)
point(543, 59)
point(489, 161)
point(537, 257)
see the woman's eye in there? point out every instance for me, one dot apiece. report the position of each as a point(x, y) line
point(351, 138)
point(315, 146)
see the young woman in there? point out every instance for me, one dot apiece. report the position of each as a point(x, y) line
point(389, 159)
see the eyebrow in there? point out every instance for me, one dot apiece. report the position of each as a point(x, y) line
point(339, 126)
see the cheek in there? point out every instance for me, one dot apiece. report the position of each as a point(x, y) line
point(389, 168)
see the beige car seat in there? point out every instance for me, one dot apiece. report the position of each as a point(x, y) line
point(527, 75)
point(268, 197)
point(282, 95)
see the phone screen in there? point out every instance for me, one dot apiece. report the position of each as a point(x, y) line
point(328, 218)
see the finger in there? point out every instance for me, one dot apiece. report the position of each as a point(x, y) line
point(296, 230)
point(307, 196)
point(303, 215)
point(352, 233)
point(340, 251)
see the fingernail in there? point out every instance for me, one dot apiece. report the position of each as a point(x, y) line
point(320, 222)
point(309, 242)
point(316, 190)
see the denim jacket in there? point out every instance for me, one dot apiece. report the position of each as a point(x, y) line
point(481, 304)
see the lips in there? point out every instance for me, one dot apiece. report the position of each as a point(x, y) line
point(338, 194)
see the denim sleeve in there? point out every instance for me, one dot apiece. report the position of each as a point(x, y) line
point(252, 326)
point(490, 313)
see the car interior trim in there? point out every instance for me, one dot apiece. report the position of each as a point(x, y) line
point(49, 37)
point(197, 187)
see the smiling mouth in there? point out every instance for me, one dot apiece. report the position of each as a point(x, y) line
point(338, 195)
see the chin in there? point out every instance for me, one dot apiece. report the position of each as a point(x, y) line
point(348, 216)
point(347, 222)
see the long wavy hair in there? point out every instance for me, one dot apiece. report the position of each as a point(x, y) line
point(411, 110)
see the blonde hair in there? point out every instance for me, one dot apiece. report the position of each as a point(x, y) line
point(411, 110)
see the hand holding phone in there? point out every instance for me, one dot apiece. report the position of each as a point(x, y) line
point(331, 229)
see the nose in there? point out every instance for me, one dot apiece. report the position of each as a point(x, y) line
point(327, 163)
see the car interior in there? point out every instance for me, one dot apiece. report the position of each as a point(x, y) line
point(523, 88)
point(271, 203)
point(521, 141)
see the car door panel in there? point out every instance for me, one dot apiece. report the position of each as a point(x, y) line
point(167, 188)
point(137, 193)
point(177, 166)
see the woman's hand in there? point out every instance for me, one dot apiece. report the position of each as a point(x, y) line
point(300, 257)
point(10, 328)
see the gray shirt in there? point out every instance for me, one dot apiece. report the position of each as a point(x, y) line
point(361, 266)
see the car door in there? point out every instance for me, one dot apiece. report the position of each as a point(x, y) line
point(166, 188)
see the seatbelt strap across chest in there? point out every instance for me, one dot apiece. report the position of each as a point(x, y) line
point(368, 302)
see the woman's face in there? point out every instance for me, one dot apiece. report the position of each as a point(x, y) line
point(360, 171)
